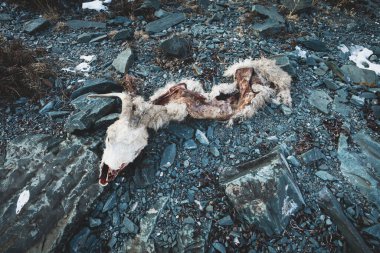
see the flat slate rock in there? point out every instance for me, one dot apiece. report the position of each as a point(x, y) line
point(100, 85)
point(360, 76)
point(176, 46)
point(165, 22)
point(263, 192)
point(355, 166)
point(124, 61)
point(320, 100)
point(61, 179)
point(36, 25)
point(314, 44)
point(80, 24)
point(168, 156)
point(5, 17)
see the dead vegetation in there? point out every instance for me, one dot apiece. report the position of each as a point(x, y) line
point(21, 74)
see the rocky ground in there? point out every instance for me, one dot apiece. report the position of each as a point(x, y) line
point(192, 189)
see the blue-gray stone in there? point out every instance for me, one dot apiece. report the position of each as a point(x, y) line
point(124, 61)
point(190, 144)
point(48, 107)
point(110, 203)
point(324, 175)
point(214, 151)
point(373, 231)
point(165, 22)
point(320, 100)
point(181, 130)
point(94, 222)
point(226, 221)
point(312, 155)
point(219, 247)
point(168, 156)
point(80, 24)
point(201, 137)
point(36, 25)
point(129, 226)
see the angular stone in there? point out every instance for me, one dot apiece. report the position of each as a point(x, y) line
point(360, 76)
point(295, 6)
point(125, 34)
point(325, 175)
point(269, 12)
point(273, 24)
point(36, 25)
point(284, 63)
point(5, 17)
point(263, 192)
point(141, 242)
point(165, 22)
point(330, 205)
point(201, 137)
point(168, 156)
point(373, 231)
point(226, 221)
point(61, 177)
point(129, 226)
point(106, 120)
point(320, 100)
point(190, 144)
point(191, 240)
point(312, 155)
point(176, 46)
point(100, 85)
point(314, 44)
point(80, 24)
point(214, 151)
point(356, 166)
point(181, 130)
point(89, 110)
point(268, 28)
point(110, 203)
point(58, 114)
point(124, 61)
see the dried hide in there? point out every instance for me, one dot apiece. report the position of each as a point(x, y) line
point(255, 83)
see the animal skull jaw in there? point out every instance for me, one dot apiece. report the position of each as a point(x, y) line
point(107, 174)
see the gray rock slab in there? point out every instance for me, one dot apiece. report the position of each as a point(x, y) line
point(129, 226)
point(106, 120)
point(165, 22)
point(330, 205)
point(142, 242)
point(314, 44)
point(125, 34)
point(295, 6)
point(312, 155)
point(189, 240)
point(373, 231)
point(5, 17)
point(270, 12)
point(320, 100)
point(62, 180)
point(100, 85)
point(356, 166)
point(36, 25)
point(89, 110)
point(263, 192)
point(284, 63)
point(201, 137)
point(87, 37)
point(324, 175)
point(168, 156)
point(124, 61)
point(181, 130)
point(268, 28)
point(190, 144)
point(360, 76)
point(176, 46)
point(83, 24)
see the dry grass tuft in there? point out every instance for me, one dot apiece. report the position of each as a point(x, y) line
point(20, 73)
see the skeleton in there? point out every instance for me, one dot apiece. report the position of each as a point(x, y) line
point(255, 83)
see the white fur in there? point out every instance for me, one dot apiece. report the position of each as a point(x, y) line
point(223, 88)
